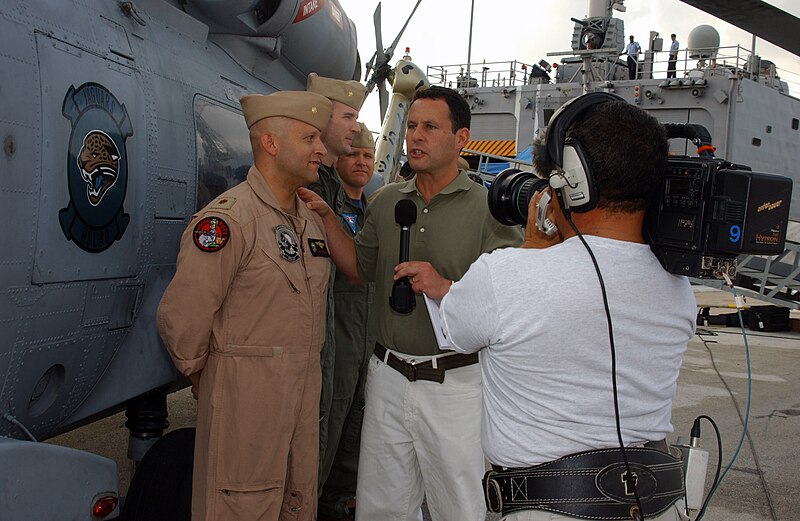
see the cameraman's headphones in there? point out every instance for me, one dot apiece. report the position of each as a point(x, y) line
point(572, 182)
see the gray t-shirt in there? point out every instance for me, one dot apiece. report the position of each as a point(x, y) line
point(546, 364)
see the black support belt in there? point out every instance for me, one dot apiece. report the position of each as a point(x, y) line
point(590, 485)
point(425, 370)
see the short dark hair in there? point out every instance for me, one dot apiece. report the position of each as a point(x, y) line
point(626, 149)
point(460, 115)
point(672, 35)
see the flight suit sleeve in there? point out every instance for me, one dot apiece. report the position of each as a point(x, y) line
point(193, 299)
point(496, 235)
point(327, 187)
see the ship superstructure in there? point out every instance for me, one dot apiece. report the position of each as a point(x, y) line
point(738, 97)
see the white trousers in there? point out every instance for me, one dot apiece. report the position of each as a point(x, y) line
point(421, 440)
point(675, 513)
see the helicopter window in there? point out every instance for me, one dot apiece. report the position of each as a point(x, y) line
point(265, 10)
point(795, 123)
point(223, 149)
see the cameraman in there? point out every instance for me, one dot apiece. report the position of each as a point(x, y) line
point(537, 316)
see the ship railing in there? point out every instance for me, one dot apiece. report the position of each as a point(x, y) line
point(720, 60)
point(731, 60)
point(483, 74)
point(484, 160)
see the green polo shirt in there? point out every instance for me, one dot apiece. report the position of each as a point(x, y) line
point(451, 232)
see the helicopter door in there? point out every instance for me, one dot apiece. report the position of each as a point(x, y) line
point(93, 176)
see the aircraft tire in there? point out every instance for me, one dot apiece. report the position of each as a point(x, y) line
point(161, 488)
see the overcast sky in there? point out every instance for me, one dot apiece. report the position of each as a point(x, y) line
point(526, 30)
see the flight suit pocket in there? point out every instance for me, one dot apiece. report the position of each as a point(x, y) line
point(257, 500)
point(285, 267)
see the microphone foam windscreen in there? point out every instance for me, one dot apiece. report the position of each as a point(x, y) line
point(405, 212)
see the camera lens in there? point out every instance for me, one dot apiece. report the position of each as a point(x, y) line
point(511, 193)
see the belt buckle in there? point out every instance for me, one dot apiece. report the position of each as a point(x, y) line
point(492, 493)
point(412, 370)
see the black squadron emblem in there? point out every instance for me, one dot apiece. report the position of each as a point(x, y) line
point(287, 243)
point(97, 168)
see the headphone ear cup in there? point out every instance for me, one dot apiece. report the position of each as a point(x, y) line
point(559, 123)
point(574, 183)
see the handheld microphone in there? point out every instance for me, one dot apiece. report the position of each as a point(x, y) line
point(402, 299)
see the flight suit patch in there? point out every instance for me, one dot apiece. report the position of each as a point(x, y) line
point(287, 243)
point(351, 219)
point(211, 234)
point(318, 248)
point(224, 203)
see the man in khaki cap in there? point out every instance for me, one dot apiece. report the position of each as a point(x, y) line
point(420, 437)
point(243, 319)
point(353, 343)
point(338, 135)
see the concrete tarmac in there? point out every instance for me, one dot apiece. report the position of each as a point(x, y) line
point(763, 484)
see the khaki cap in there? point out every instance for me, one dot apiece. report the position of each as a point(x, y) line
point(364, 138)
point(462, 164)
point(303, 106)
point(351, 92)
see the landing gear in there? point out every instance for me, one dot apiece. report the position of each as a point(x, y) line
point(147, 420)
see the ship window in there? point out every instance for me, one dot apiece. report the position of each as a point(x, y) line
point(548, 113)
point(795, 123)
point(769, 129)
point(756, 142)
point(223, 150)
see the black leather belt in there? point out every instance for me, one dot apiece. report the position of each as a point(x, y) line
point(590, 485)
point(425, 370)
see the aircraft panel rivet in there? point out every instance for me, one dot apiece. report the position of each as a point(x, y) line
point(10, 146)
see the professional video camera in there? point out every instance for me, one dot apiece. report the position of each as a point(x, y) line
point(707, 212)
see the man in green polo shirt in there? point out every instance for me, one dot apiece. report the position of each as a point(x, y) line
point(423, 406)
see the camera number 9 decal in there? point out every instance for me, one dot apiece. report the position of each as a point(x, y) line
point(735, 233)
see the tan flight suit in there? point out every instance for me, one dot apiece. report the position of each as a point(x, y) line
point(250, 315)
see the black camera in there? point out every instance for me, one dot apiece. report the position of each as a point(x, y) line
point(706, 213)
point(710, 211)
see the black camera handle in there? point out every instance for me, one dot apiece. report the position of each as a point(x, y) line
point(697, 134)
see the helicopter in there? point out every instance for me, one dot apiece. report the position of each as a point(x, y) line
point(119, 120)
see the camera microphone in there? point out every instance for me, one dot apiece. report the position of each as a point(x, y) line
point(402, 299)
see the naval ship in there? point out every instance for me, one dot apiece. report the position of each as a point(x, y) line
point(731, 91)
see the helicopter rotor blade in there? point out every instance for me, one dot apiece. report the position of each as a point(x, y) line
point(376, 18)
point(390, 49)
point(384, 99)
point(379, 57)
point(380, 66)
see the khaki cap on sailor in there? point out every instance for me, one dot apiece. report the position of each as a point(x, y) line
point(307, 107)
point(351, 92)
point(364, 138)
point(462, 163)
